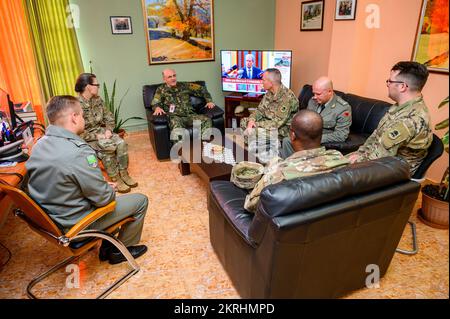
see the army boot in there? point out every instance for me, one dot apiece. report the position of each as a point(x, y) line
point(121, 186)
point(127, 179)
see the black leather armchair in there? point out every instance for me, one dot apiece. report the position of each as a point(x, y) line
point(158, 126)
point(313, 237)
point(366, 114)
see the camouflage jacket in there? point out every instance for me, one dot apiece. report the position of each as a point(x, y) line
point(404, 131)
point(299, 164)
point(276, 111)
point(179, 97)
point(97, 118)
point(337, 119)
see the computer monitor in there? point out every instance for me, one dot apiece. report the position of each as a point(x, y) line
point(242, 70)
point(7, 107)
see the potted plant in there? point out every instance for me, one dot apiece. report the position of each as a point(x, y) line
point(110, 103)
point(435, 201)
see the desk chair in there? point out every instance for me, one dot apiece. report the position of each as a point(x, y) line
point(39, 222)
point(434, 152)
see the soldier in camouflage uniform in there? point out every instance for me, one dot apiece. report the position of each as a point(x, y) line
point(276, 109)
point(111, 149)
point(336, 114)
point(172, 98)
point(309, 158)
point(404, 130)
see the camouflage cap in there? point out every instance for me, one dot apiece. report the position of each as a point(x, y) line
point(246, 174)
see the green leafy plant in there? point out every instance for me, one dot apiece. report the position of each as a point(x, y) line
point(110, 103)
point(441, 191)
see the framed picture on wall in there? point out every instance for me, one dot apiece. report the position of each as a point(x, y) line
point(345, 10)
point(431, 44)
point(121, 25)
point(179, 31)
point(312, 15)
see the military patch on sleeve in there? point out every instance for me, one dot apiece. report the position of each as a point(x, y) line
point(395, 135)
point(92, 161)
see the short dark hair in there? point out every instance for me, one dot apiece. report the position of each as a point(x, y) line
point(84, 80)
point(307, 126)
point(414, 74)
point(58, 104)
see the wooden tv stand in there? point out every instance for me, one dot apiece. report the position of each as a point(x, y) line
point(235, 99)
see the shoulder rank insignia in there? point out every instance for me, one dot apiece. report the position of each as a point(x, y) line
point(92, 161)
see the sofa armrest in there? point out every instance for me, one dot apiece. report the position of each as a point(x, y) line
point(211, 113)
point(160, 119)
point(228, 200)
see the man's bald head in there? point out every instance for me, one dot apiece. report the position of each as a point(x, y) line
point(324, 83)
point(169, 77)
point(307, 127)
point(323, 90)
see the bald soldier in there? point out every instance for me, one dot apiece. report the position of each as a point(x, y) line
point(336, 114)
point(404, 131)
point(276, 109)
point(308, 159)
point(172, 98)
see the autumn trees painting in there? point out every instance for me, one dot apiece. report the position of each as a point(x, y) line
point(179, 30)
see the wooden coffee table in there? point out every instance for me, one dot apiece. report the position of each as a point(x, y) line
point(214, 170)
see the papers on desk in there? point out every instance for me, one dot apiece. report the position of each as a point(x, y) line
point(225, 156)
point(7, 164)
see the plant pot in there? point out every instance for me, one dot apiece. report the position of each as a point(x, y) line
point(121, 133)
point(434, 212)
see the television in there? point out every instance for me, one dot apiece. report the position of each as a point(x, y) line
point(242, 70)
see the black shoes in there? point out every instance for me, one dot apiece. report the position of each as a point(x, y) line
point(111, 253)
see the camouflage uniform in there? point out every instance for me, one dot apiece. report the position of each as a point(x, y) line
point(112, 151)
point(183, 115)
point(404, 131)
point(337, 119)
point(275, 112)
point(300, 164)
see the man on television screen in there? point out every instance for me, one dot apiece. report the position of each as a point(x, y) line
point(250, 71)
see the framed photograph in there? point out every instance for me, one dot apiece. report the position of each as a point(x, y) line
point(312, 15)
point(179, 31)
point(431, 43)
point(345, 10)
point(121, 25)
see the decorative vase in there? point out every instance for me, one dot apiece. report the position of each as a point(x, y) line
point(434, 212)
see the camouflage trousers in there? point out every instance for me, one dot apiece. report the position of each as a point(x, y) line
point(113, 152)
point(177, 124)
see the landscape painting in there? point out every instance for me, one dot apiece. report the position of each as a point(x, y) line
point(431, 47)
point(179, 30)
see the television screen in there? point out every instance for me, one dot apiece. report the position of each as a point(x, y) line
point(242, 70)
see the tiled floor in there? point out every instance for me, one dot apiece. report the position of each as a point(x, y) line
point(180, 262)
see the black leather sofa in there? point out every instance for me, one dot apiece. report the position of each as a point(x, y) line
point(366, 114)
point(313, 237)
point(158, 126)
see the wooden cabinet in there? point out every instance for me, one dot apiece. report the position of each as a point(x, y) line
point(233, 100)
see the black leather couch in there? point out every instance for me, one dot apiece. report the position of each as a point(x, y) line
point(366, 114)
point(158, 126)
point(312, 237)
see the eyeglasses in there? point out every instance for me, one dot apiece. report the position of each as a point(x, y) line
point(399, 82)
point(97, 85)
